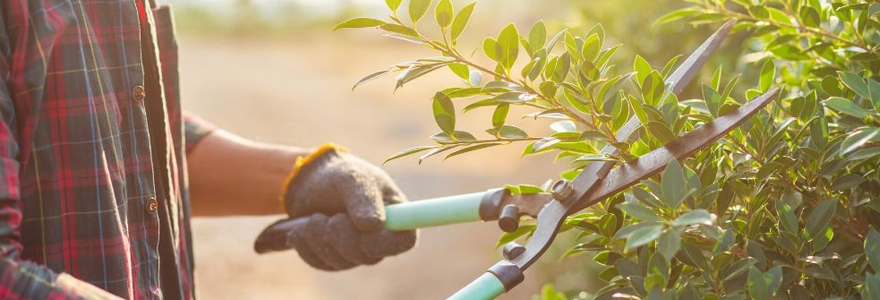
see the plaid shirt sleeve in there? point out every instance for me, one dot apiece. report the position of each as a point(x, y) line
point(21, 279)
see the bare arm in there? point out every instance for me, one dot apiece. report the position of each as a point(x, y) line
point(230, 175)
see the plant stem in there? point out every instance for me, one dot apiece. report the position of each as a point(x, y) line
point(492, 141)
point(801, 28)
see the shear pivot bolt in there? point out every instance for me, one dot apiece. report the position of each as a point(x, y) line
point(509, 219)
point(513, 250)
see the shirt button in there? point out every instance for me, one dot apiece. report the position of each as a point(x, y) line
point(152, 205)
point(139, 93)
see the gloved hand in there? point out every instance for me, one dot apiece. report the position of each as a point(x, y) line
point(339, 201)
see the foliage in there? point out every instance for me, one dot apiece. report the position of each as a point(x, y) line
point(784, 207)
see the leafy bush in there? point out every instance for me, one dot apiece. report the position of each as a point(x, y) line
point(784, 207)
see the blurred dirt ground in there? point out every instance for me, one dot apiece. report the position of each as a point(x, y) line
point(299, 94)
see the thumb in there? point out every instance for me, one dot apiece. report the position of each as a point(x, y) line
point(365, 206)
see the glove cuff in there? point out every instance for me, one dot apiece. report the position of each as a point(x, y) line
point(300, 163)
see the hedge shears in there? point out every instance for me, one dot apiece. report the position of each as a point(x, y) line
point(597, 181)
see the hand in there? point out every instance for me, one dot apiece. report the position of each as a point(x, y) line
point(340, 199)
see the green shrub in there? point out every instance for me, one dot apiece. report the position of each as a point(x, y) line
point(784, 207)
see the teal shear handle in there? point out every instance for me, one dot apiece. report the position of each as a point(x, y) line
point(499, 279)
point(434, 212)
point(486, 287)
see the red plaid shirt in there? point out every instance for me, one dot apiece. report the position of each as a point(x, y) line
point(92, 167)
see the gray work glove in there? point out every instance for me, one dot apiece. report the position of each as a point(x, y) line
point(336, 205)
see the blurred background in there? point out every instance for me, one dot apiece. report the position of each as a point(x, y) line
point(273, 71)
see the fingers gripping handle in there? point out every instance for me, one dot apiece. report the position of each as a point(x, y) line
point(398, 217)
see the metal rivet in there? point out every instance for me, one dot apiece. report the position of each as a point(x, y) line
point(513, 250)
point(508, 221)
point(561, 189)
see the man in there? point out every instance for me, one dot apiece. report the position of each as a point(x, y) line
point(96, 161)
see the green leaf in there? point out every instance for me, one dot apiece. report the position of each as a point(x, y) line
point(874, 90)
point(500, 115)
point(442, 138)
point(463, 136)
point(399, 29)
point(460, 70)
point(435, 151)
point(511, 236)
point(490, 48)
point(810, 16)
point(528, 189)
point(461, 21)
point(716, 79)
point(538, 35)
point(643, 236)
point(642, 68)
point(417, 9)
point(787, 217)
point(369, 77)
point(847, 181)
point(591, 47)
point(443, 13)
point(508, 43)
point(563, 126)
point(359, 23)
point(728, 238)
point(593, 157)
point(471, 148)
point(636, 106)
point(444, 112)
point(405, 38)
point(544, 143)
point(409, 151)
point(512, 132)
point(819, 218)
point(871, 291)
point(550, 293)
point(692, 217)
point(669, 243)
point(638, 211)
point(713, 100)
point(864, 154)
point(478, 104)
point(768, 74)
point(856, 83)
point(660, 131)
point(658, 265)
point(757, 285)
point(393, 4)
point(773, 278)
point(859, 138)
point(674, 186)
point(740, 267)
point(846, 106)
point(627, 230)
point(676, 15)
point(872, 250)
point(729, 88)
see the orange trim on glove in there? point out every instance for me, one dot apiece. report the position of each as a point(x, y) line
point(300, 163)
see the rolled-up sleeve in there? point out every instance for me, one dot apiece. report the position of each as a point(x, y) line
point(194, 129)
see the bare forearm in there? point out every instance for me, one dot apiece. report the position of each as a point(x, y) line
point(229, 175)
